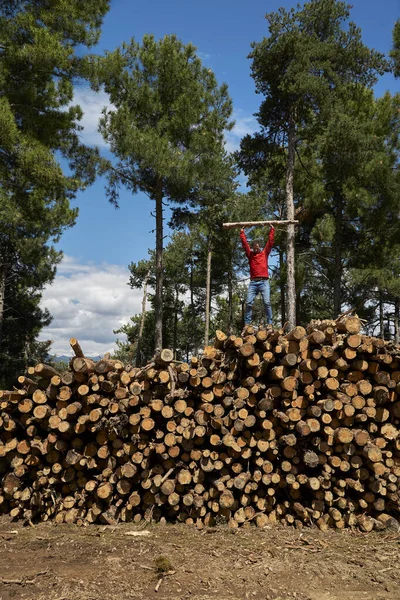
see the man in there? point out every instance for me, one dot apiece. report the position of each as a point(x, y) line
point(259, 279)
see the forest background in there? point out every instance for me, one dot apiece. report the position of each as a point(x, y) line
point(319, 83)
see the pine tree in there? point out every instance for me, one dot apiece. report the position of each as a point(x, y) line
point(169, 111)
point(38, 68)
point(309, 56)
point(374, 270)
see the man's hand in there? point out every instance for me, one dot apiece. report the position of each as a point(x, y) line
point(242, 230)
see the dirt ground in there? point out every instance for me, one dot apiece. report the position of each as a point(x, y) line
point(65, 562)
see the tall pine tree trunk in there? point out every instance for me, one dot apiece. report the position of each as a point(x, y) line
point(337, 285)
point(192, 307)
point(397, 320)
point(290, 242)
point(175, 334)
point(3, 275)
point(208, 294)
point(230, 297)
point(159, 267)
point(138, 345)
point(282, 286)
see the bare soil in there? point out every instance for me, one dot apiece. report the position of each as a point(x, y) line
point(66, 562)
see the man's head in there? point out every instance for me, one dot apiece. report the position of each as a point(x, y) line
point(256, 247)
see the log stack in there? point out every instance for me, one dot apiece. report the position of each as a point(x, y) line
point(299, 428)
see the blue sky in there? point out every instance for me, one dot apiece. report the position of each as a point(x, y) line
point(104, 240)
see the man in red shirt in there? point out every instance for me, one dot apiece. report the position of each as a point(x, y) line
point(259, 279)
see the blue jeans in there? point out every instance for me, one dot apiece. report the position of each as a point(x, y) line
point(256, 287)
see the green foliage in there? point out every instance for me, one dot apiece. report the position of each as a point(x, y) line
point(352, 200)
point(163, 564)
point(126, 349)
point(309, 54)
point(183, 320)
point(168, 111)
point(224, 313)
point(359, 154)
point(23, 321)
point(395, 53)
point(315, 73)
point(169, 115)
point(60, 365)
point(38, 68)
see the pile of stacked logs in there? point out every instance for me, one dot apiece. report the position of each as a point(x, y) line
point(298, 428)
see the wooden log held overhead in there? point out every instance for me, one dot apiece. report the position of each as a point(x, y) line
point(255, 223)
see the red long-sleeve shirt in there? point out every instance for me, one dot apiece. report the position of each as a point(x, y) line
point(258, 262)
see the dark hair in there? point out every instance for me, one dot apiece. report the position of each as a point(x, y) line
point(256, 242)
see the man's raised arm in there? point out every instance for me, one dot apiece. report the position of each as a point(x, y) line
point(270, 242)
point(245, 243)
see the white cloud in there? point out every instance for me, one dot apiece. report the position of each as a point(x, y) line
point(244, 124)
point(92, 103)
point(204, 56)
point(88, 301)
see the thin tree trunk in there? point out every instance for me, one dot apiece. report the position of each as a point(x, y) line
point(159, 267)
point(337, 286)
point(190, 334)
point(397, 320)
point(138, 344)
point(3, 275)
point(381, 316)
point(290, 242)
point(208, 295)
point(282, 286)
point(192, 307)
point(175, 334)
point(298, 303)
point(230, 297)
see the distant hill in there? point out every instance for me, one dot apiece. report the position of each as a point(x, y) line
point(63, 358)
